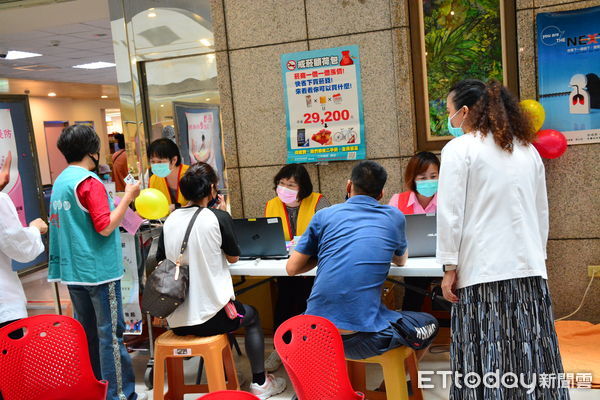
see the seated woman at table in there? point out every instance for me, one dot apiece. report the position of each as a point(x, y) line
point(212, 243)
point(420, 180)
point(295, 204)
point(167, 170)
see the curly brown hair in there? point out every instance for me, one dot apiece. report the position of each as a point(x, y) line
point(493, 109)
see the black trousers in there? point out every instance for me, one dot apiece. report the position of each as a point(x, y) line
point(293, 292)
point(413, 301)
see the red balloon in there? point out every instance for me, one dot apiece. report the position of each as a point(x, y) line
point(550, 143)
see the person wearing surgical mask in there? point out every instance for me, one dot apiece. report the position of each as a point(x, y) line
point(167, 170)
point(420, 197)
point(295, 204)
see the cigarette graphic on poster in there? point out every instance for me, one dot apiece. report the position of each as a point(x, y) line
point(8, 144)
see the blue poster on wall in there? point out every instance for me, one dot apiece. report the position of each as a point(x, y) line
point(24, 187)
point(323, 103)
point(568, 46)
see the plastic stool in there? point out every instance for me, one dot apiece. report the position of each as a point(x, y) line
point(218, 362)
point(229, 395)
point(394, 374)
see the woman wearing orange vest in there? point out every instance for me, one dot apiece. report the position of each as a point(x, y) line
point(420, 180)
point(295, 204)
point(167, 170)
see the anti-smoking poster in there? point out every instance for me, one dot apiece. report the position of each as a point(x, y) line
point(323, 102)
point(569, 72)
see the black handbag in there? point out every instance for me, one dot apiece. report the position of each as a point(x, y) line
point(167, 286)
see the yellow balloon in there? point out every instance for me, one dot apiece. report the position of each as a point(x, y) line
point(536, 113)
point(152, 204)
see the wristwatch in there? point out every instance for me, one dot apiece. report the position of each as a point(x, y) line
point(449, 267)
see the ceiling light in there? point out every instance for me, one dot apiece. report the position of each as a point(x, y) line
point(207, 99)
point(52, 94)
point(151, 14)
point(104, 96)
point(162, 105)
point(205, 42)
point(15, 55)
point(95, 65)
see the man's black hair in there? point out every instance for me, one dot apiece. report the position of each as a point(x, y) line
point(164, 148)
point(300, 175)
point(77, 141)
point(368, 178)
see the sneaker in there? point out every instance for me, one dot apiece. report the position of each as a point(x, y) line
point(271, 387)
point(273, 362)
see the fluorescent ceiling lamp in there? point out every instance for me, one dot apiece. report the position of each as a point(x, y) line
point(16, 55)
point(52, 94)
point(95, 65)
point(104, 96)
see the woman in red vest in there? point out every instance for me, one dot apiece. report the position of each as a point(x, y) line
point(420, 180)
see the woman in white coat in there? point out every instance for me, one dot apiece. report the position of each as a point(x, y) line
point(16, 243)
point(492, 233)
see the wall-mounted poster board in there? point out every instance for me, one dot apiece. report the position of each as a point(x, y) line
point(24, 187)
point(569, 72)
point(323, 103)
point(198, 132)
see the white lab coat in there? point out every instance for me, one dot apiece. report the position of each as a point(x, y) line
point(16, 243)
point(492, 215)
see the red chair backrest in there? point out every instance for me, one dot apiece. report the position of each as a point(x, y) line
point(50, 362)
point(312, 352)
point(229, 395)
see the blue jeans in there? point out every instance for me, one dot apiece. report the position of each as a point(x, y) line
point(99, 310)
point(415, 329)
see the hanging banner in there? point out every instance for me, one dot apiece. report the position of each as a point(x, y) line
point(569, 72)
point(323, 102)
point(8, 145)
point(130, 285)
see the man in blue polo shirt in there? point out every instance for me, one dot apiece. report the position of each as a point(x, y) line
point(354, 243)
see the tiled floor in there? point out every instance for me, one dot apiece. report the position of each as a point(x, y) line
point(431, 362)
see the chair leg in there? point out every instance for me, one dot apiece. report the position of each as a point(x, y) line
point(358, 375)
point(215, 373)
point(394, 375)
point(234, 342)
point(175, 378)
point(200, 369)
point(159, 377)
point(412, 366)
point(230, 371)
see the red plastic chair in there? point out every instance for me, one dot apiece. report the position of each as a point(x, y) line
point(228, 395)
point(312, 352)
point(50, 361)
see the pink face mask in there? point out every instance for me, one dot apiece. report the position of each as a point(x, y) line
point(287, 195)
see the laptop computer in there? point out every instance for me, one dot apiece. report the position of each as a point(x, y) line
point(421, 234)
point(260, 238)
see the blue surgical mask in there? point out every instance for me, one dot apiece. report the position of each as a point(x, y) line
point(427, 188)
point(456, 132)
point(161, 169)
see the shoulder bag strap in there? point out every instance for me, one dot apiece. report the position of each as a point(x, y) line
point(187, 234)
